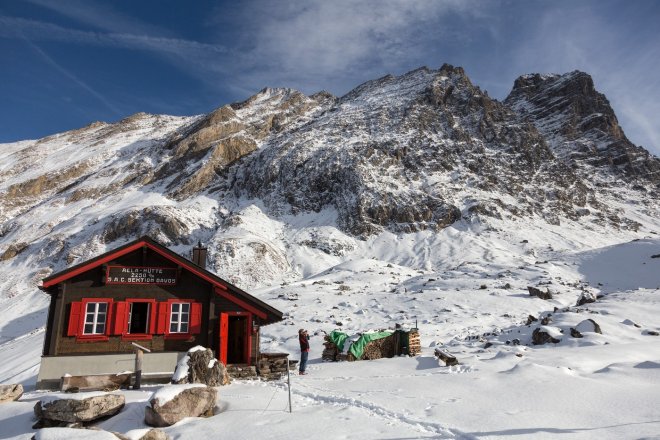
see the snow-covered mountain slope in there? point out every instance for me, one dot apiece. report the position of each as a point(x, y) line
point(283, 175)
point(412, 199)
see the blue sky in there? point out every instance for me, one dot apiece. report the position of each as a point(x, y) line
point(66, 63)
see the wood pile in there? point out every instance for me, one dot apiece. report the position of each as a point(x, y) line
point(390, 346)
point(330, 351)
point(414, 343)
point(272, 366)
point(380, 348)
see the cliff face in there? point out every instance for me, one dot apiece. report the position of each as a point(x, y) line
point(410, 153)
point(580, 126)
point(282, 174)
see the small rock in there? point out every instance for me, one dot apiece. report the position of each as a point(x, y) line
point(575, 333)
point(588, 325)
point(533, 291)
point(652, 333)
point(542, 336)
point(546, 320)
point(531, 319)
point(586, 298)
point(155, 434)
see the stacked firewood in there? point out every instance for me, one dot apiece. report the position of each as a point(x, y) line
point(387, 347)
point(380, 348)
point(272, 366)
point(330, 350)
point(414, 343)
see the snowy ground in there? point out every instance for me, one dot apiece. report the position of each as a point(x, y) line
point(463, 289)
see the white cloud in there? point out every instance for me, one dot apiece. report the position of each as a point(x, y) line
point(334, 44)
point(624, 67)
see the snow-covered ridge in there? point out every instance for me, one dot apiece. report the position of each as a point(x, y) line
point(281, 184)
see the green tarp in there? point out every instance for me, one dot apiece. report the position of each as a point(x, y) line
point(357, 347)
point(338, 338)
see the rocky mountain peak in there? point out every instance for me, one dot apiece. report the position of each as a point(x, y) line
point(574, 96)
point(408, 153)
point(579, 124)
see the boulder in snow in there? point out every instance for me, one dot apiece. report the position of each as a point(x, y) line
point(588, 325)
point(533, 291)
point(200, 366)
point(84, 407)
point(545, 334)
point(173, 403)
point(10, 393)
point(586, 298)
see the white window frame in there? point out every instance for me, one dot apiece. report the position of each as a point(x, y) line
point(176, 318)
point(95, 322)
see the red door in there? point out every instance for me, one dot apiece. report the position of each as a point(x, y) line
point(224, 335)
point(235, 337)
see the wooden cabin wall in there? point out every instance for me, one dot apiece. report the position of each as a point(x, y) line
point(90, 285)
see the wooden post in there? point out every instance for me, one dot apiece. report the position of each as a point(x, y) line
point(138, 368)
point(288, 380)
point(139, 354)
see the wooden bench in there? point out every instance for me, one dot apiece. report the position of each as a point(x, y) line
point(95, 382)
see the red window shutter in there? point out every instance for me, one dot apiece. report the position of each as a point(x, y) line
point(162, 328)
point(75, 319)
point(153, 318)
point(121, 318)
point(195, 318)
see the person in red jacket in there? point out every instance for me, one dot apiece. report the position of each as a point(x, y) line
point(303, 338)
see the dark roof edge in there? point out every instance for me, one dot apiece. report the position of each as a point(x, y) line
point(176, 257)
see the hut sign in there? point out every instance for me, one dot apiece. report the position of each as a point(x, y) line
point(141, 275)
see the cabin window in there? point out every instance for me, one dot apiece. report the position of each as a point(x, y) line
point(96, 316)
point(89, 319)
point(135, 318)
point(179, 317)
